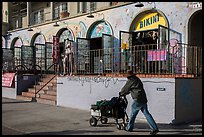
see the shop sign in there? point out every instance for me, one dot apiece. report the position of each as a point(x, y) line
point(150, 21)
point(7, 79)
point(55, 49)
point(156, 55)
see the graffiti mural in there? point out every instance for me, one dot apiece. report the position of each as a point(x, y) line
point(176, 54)
point(81, 32)
point(99, 29)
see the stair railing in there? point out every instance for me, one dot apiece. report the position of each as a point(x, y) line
point(41, 77)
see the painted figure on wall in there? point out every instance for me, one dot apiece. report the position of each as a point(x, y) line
point(68, 59)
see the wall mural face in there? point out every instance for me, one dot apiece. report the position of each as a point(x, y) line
point(81, 32)
point(99, 29)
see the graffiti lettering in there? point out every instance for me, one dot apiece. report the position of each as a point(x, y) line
point(105, 80)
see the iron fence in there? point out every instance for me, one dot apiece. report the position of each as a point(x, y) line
point(142, 59)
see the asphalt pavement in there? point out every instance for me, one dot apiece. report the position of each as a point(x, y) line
point(32, 118)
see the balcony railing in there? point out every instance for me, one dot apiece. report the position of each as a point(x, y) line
point(142, 59)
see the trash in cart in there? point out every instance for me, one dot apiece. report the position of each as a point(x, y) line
point(114, 108)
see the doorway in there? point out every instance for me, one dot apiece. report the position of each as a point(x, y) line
point(96, 55)
point(194, 55)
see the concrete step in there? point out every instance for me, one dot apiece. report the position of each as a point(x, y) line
point(48, 84)
point(46, 101)
point(29, 94)
point(48, 93)
point(47, 96)
point(19, 97)
point(38, 100)
point(51, 87)
point(33, 90)
point(51, 92)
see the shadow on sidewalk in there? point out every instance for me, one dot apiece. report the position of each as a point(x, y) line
point(139, 129)
point(172, 129)
point(72, 132)
point(10, 102)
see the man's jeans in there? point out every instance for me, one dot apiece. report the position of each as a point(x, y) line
point(135, 108)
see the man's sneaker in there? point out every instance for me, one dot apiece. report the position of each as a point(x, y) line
point(127, 130)
point(154, 132)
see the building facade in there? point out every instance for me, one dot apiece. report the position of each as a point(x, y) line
point(154, 23)
point(162, 41)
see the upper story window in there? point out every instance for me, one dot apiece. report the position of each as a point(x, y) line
point(81, 7)
point(113, 3)
point(60, 7)
point(38, 16)
point(56, 10)
point(84, 7)
point(64, 7)
point(15, 23)
point(78, 7)
point(92, 6)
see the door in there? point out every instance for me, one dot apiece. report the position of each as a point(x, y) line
point(27, 57)
point(126, 52)
point(17, 56)
point(176, 50)
point(40, 55)
point(83, 56)
point(107, 46)
point(49, 63)
point(7, 60)
point(166, 65)
point(170, 40)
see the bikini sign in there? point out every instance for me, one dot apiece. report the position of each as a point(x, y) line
point(150, 21)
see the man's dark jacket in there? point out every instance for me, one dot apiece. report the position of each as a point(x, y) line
point(134, 86)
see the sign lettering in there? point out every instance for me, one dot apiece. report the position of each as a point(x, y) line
point(7, 79)
point(157, 55)
point(150, 21)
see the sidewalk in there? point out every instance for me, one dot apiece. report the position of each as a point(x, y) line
point(22, 117)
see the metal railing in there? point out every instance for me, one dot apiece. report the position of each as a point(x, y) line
point(48, 71)
point(142, 59)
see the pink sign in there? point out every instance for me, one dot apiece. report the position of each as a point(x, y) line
point(156, 55)
point(7, 79)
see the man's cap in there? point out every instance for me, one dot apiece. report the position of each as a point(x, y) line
point(130, 73)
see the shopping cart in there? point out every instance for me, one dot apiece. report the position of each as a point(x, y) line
point(114, 108)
